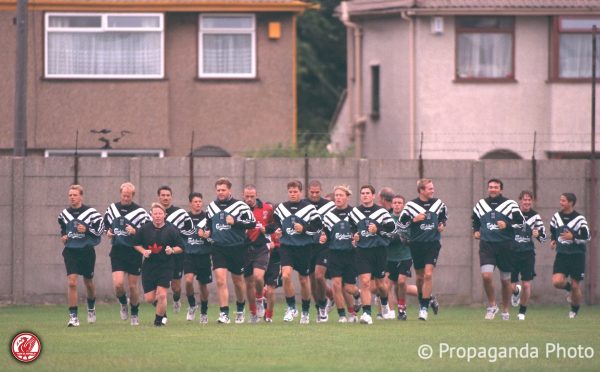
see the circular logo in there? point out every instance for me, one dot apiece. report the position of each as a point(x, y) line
point(26, 347)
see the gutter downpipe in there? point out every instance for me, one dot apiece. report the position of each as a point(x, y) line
point(412, 128)
point(356, 116)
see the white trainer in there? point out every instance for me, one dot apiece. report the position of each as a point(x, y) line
point(423, 314)
point(366, 319)
point(516, 297)
point(323, 316)
point(572, 314)
point(491, 312)
point(505, 316)
point(290, 314)
point(223, 318)
point(91, 316)
point(124, 312)
point(191, 313)
point(203, 319)
point(343, 319)
point(352, 318)
point(73, 321)
point(239, 317)
point(304, 318)
point(135, 320)
point(521, 316)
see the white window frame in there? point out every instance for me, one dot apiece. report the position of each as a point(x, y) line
point(207, 30)
point(104, 27)
point(105, 153)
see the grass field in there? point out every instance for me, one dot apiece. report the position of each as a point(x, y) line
point(112, 344)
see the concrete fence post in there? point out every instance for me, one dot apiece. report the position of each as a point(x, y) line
point(18, 230)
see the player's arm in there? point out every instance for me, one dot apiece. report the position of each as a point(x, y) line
point(245, 220)
point(476, 225)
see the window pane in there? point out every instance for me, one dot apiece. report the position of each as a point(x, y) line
point(579, 24)
point(227, 53)
point(114, 53)
point(131, 21)
point(224, 22)
point(74, 21)
point(575, 59)
point(484, 55)
point(485, 22)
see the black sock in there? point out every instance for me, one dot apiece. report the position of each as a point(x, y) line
point(122, 299)
point(240, 306)
point(322, 304)
point(522, 309)
point(203, 307)
point(425, 302)
point(176, 296)
point(568, 287)
point(224, 309)
point(367, 309)
point(73, 310)
point(158, 319)
point(341, 312)
point(135, 309)
point(192, 300)
point(91, 303)
point(291, 302)
point(420, 297)
point(305, 306)
point(384, 300)
point(575, 308)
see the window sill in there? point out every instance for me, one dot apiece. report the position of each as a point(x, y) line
point(485, 80)
point(572, 80)
point(103, 80)
point(227, 79)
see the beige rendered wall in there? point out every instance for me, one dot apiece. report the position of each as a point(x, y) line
point(466, 120)
point(161, 114)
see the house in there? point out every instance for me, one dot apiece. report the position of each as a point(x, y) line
point(152, 77)
point(468, 79)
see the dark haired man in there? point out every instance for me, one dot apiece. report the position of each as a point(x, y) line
point(569, 233)
point(494, 219)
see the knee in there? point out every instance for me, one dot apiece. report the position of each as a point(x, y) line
point(487, 277)
point(558, 282)
point(428, 276)
point(286, 275)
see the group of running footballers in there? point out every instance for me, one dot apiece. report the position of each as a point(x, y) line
point(348, 258)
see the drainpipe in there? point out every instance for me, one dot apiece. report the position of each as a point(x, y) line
point(412, 125)
point(356, 116)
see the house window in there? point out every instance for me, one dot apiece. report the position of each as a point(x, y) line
point(572, 47)
point(227, 46)
point(100, 46)
point(484, 47)
point(375, 89)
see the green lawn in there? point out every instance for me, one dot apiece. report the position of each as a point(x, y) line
point(112, 344)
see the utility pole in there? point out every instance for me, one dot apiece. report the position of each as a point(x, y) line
point(20, 129)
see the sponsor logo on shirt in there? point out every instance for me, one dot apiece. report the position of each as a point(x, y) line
point(427, 226)
point(492, 226)
point(75, 235)
point(223, 226)
point(340, 236)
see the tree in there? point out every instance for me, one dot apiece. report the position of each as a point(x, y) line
point(321, 70)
